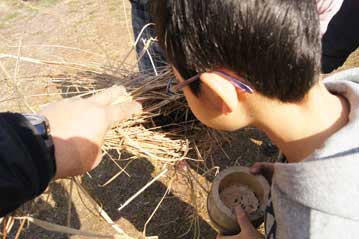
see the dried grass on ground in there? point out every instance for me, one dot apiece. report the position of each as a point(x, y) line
point(164, 134)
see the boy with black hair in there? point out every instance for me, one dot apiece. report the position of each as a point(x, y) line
point(339, 22)
point(257, 62)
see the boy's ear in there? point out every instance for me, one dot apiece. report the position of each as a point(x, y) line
point(225, 91)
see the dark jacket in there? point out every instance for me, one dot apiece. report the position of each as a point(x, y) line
point(342, 36)
point(26, 165)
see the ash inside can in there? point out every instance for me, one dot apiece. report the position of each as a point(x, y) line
point(240, 195)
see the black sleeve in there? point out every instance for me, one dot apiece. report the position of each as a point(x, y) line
point(342, 36)
point(26, 165)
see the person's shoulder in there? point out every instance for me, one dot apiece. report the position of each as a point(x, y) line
point(351, 74)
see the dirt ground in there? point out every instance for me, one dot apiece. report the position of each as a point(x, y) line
point(99, 32)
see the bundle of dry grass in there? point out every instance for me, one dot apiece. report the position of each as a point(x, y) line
point(159, 133)
point(164, 133)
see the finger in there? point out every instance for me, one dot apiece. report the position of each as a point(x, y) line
point(124, 110)
point(108, 96)
point(265, 169)
point(243, 219)
point(257, 168)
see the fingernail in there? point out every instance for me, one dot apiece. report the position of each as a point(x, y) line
point(119, 87)
point(238, 210)
point(138, 106)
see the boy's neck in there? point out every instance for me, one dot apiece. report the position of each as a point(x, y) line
point(299, 129)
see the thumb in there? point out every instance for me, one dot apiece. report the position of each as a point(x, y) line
point(243, 219)
point(123, 111)
point(263, 168)
point(109, 95)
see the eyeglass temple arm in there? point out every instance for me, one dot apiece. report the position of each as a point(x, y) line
point(237, 82)
point(184, 83)
point(241, 85)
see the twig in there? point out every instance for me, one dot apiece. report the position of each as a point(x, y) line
point(141, 32)
point(111, 158)
point(67, 230)
point(155, 210)
point(135, 44)
point(59, 46)
point(99, 209)
point(69, 203)
point(23, 221)
point(15, 86)
point(7, 75)
point(147, 45)
point(4, 231)
point(43, 62)
point(126, 18)
point(143, 189)
point(117, 174)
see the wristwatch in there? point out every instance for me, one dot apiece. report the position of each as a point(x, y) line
point(42, 129)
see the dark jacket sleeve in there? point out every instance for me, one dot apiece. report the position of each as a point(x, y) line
point(26, 165)
point(342, 36)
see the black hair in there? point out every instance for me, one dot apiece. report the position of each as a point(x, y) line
point(273, 44)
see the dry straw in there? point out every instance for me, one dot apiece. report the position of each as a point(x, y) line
point(164, 133)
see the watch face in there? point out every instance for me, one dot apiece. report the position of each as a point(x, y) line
point(39, 122)
point(35, 119)
point(42, 129)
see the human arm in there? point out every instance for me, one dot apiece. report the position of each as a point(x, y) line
point(26, 166)
point(78, 127)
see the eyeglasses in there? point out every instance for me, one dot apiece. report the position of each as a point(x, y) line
point(174, 89)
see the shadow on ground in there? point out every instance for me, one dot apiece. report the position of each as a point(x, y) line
point(52, 207)
point(172, 220)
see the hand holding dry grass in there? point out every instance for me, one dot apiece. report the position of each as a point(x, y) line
point(78, 127)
